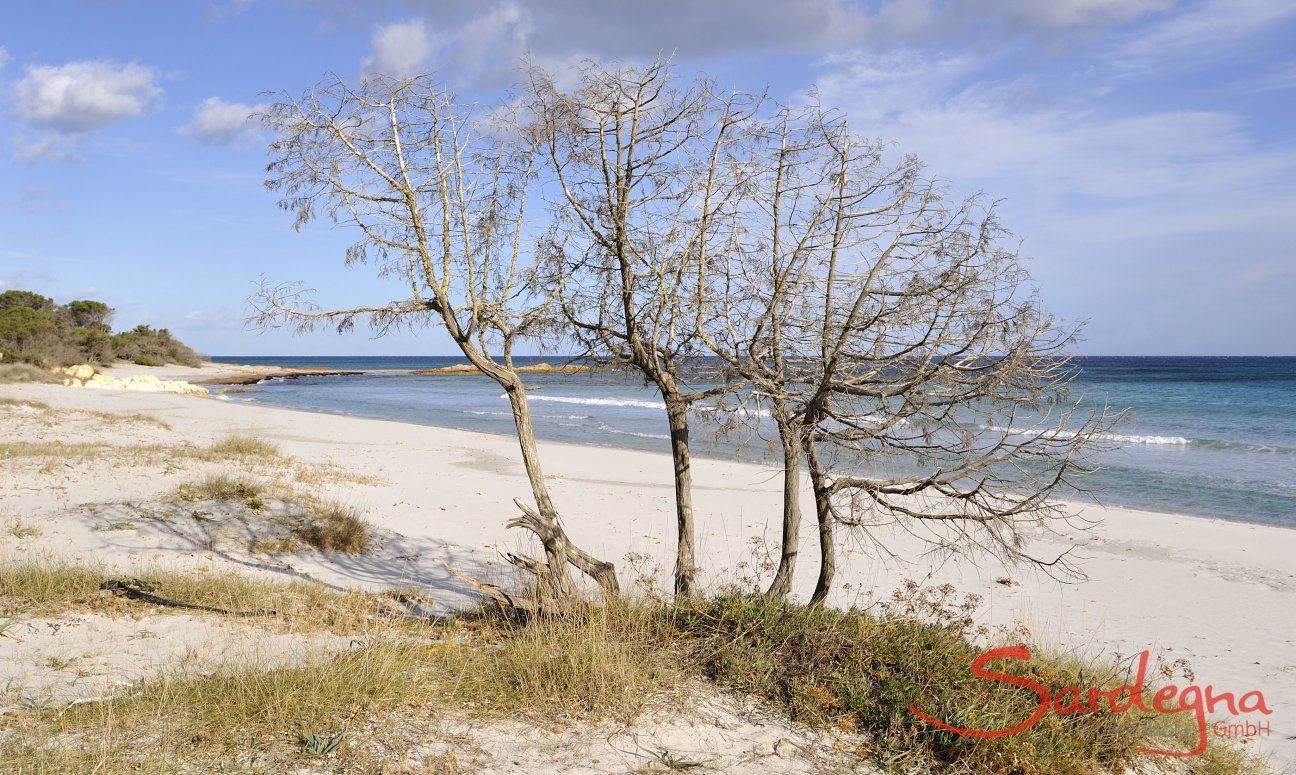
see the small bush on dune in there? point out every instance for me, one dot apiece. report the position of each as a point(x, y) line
point(336, 528)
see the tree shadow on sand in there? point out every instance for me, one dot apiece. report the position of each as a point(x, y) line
point(229, 532)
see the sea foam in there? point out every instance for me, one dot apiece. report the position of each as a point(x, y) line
point(627, 402)
point(1177, 441)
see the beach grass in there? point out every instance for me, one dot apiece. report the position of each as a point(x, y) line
point(223, 487)
point(53, 450)
point(311, 521)
point(822, 667)
point(334, 527)
point(135, 454)
point(50, 587)
point(245, 446)
point(18, 373)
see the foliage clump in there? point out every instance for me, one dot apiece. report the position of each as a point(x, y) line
point(36, 330)
point(865, 671)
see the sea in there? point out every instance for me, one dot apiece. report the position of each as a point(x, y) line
point(1204, 436)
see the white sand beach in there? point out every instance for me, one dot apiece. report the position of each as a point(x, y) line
point(1221, 595)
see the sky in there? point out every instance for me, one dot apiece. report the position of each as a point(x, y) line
point(1143, 151)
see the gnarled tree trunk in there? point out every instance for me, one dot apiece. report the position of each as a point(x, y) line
point(791, 445)
point(823, 509)
point(685, 564)
point(543, 521)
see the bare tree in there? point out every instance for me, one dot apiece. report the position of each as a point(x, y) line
point(438, 194)
point(646, 171)
point(899, 346)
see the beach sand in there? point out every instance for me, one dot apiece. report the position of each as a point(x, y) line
point(1221, 595)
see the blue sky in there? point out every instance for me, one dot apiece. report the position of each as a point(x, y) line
point(1144, 150)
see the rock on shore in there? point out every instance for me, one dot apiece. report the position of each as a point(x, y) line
point(84, 375)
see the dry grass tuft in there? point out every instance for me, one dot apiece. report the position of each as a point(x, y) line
point(222, 487)
point(21, 530)
point(51, 587)
point(137, 418)
point(17, 373)
point(327, 473)
point(305, 519)
point(594, 663)
point(335, 527)
point(54, 450)
point(244, 446)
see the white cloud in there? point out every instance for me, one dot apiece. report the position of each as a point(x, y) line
point(1199, 35)
point(1060, 14)
point(481, 41)
point(400, 49)
point(55, 146)
point(4, 57)
point(922, 21)
point(34, 199)
point(980, 132)
point(1115, 201)
point(1277, 79)
point(84, 96)
point(217, 122)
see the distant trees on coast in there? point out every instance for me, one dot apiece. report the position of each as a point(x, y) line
point(36, 330)
point(884, 326)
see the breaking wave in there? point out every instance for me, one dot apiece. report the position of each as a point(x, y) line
point(627, 402)
point(609, 429)
point(1176, 441)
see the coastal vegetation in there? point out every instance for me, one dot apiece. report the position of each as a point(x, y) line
point(847, 671)
point(35, 330)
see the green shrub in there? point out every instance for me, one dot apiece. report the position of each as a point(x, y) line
point(152, 347)
point(33, 336)
point(95, 344)
point(27, 300)
point(864, 672)
point(33, 329)
point(84, 313)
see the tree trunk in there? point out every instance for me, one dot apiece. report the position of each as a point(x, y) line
point(823, 509)
point(782, 583)
point(544, 521)
point(685, 566)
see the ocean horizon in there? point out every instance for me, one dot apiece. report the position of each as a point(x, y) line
point(1211, 436)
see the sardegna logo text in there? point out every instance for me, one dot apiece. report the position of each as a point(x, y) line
point(1169, 700)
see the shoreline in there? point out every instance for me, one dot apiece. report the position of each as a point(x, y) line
point(1219, 593)
point(290, 372)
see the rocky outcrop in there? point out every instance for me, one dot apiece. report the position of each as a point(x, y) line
point(85, 376)
point(83, 372)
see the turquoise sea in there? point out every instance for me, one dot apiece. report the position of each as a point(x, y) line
point(1206, 436)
